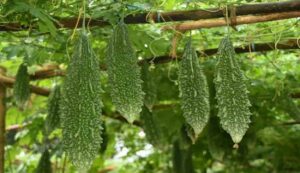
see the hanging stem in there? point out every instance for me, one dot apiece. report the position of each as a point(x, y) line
point(227, 21)
point(84, 14)
point(64, 163)
point(77, 23)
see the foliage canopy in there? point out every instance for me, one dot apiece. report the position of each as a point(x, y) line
point(271, 143)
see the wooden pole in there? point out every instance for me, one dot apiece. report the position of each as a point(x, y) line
point(210, 23)
point(9, 82)
point(160, 17)
point(291, 44)
point(2, 122)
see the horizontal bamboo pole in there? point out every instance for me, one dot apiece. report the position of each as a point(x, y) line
point(255, 47)
point(160, 17)
point(9, 82)
point(45, 72)
point(240, 20)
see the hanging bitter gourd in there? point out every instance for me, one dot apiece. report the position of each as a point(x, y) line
point(177, 157)
point(81, 106)
point(287, 104)
point(44, 165)
point(194, 91)
point(149, 86)
point(21, 88)
point(151, 129)
point(124, 74)
point(182, 158)
point(231, 93)
point(214, 136)
point(53, 119)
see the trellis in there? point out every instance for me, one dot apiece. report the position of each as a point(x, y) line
point(176, 16)
point(207, 18)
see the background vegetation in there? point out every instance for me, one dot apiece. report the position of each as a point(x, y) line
point(270, 145)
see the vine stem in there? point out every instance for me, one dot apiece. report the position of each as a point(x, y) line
point(64, 163)
point(227, 21)
point(84, 15)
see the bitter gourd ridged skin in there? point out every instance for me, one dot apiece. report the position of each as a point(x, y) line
point(231, 93)
point(44, 165)
point(21, 88)
point(149, 86)
point(81, 106)
point(124, 74)
point(151, 129)
point(194, 91)
point(53, 119)
point(105, 138)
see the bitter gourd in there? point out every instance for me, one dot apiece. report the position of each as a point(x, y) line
point(231, 93)
point(124, 74)
point(44, 165)
point(214, 136)
point(151, 128)
point(194, 91)
point(53, 119)
point(21, 88)
point(182, 158)
point(177, 158)
point(287, 104)
point(81, 106)
point(149, 86)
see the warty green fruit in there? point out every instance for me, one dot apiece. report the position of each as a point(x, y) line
point(231, 92)
point(194, 91)
point(124, 74)
point(81, 106)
